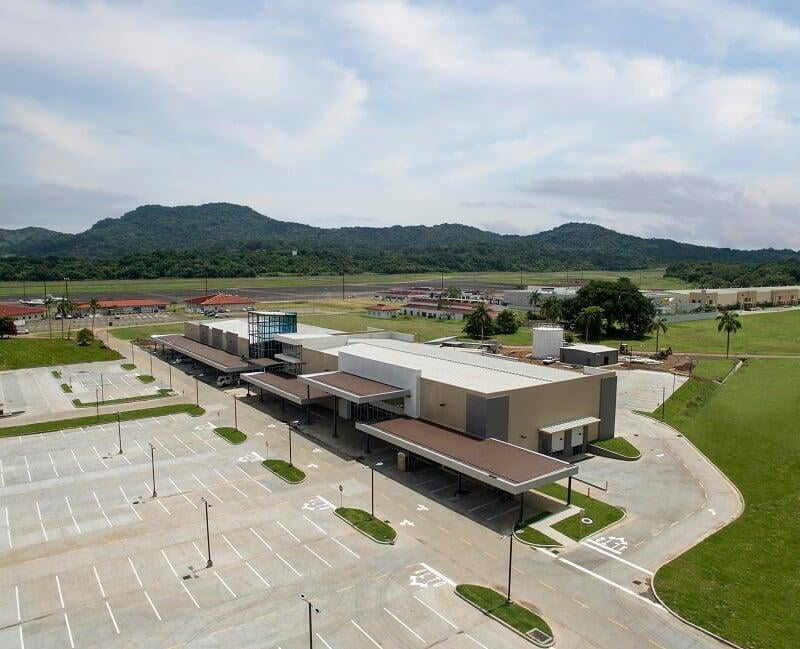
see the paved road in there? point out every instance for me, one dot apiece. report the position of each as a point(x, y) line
point(369, 595)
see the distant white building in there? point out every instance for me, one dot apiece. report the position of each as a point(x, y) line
point(521, 298)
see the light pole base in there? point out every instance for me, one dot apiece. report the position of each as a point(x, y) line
point(209, 563)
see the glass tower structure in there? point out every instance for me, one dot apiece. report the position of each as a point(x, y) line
point(262, 327)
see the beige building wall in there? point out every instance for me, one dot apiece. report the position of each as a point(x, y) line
point(192, 331)
point(319, 361)
point(530, 409)
point(453, 414)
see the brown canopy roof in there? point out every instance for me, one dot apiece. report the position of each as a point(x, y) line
point(489, 460)
point(353, 387)
point(286, 386)
point(217, 358)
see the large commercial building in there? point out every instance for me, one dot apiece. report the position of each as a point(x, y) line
point(20, 313)
point(521, 298)
point(744, 298)
point(589, 355)
point(123, 305)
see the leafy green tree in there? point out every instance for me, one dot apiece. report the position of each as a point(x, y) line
point(7, 327)
point(478, 324)
point(658, 326)
point(48, 305)
point(551, 309)
point(452, 292)
point(625, 309)
point(507, 322)
point(590, 319)
point(534, 299)
point(84, 337)
point(729, 323)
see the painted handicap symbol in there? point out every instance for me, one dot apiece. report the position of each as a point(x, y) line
point(317, 504)
point(422, 508)
point(405, 521)
point(250, 457)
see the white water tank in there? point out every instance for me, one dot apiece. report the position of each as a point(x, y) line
point(547, 341)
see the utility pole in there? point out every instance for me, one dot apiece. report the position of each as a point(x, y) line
point(663, 401)
point(209, 563)
point(342, 281)
point(153, 467)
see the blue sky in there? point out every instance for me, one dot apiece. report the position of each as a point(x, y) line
point(667, 118)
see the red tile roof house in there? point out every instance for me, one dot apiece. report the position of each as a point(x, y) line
point(110, 306)
point(445, 309)
point(382, 311)
point(20, 313)
point(218, 302)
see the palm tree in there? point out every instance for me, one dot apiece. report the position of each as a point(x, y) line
point(94, 304)
point(534, 298)
point(729, 323)
point(552, 309)
point(61, 312)
point(67, 308)
point(588, 317)
point(478, 323)
point(48, 303)
point(658, 326)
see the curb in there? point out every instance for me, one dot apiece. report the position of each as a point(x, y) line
point(229, 441)
point(370, 537)
point(282, 478)
point(505, 624)
point(699, 540)
point(604, 452)
point(534, 545)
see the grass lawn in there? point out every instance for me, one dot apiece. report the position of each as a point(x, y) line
point(650, 278)
point(230, 434)
point(128, 366)
point(146, 378)
point(741, 582)
point(761, 333)
point(618, 445)
point(423, 328)
point(56, 374)
point(522, 619)
point(66, 388)
point(531, 535)
point(77, 422)
point(602, 514)
point(287, 471)
point(373, 527)
point(162, 392)
point(713, 369)
point(17, 353)
point(145, 331)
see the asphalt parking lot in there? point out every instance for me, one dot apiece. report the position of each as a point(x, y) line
point(89, 557)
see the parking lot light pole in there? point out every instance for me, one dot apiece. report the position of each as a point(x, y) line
point(209, 563)
point(235, 416)
point(311, 609)
point(153, 467)
point(292, 424)
point(197, 391)
point(151, 363)
point(102, 389)
point(510, 553)
point(170, 374)
point(372, 487)
point(97, 403)
point(119, 433)
point(133, 361)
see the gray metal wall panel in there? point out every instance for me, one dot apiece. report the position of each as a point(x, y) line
point(608, 407)
point(497, 418)
point(476, 416)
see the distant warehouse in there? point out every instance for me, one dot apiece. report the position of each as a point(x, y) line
point(218, 302)
point(123, 305)
point(589, 355)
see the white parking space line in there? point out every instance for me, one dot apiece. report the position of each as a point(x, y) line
point(177, 488)
point(53, 464)
point(69, 509)
point(75, 457)
point(27, 466)
point(153, 606)
point(602, 551)
point(435, 612)
point(169, 563)
point(477, 642)
point(164, 507)
point(19, 619)
point(314, 524)
point(222, 581)
point(491, 502)
point(288, 565)
point(231, 546)
point(323, 641)
point(99, 583)
point(344, 547)
point(447, 486)
point(158, 441)
point(405, 626)
point(60, 595)
point(230, 484)
point(366, 635)
point(191, 597)
point(69, 632)
point(8, 531)
point(286, 529)
point(255, 572)
point(111, 615)
point(508, 511)
point(135, 574)
point(261, 538)
point(200, 482)
point(199, 552)
point(318, 557)
point(41, 523)
point(99, 457)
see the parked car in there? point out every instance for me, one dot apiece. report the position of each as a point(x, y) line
point(225, 380)
point(22, 331)
point(549, 360)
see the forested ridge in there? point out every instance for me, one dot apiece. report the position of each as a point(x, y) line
point(226, 240)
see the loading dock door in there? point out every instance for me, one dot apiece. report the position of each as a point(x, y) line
point(556, 442)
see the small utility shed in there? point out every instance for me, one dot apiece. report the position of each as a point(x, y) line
point(589, 355)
